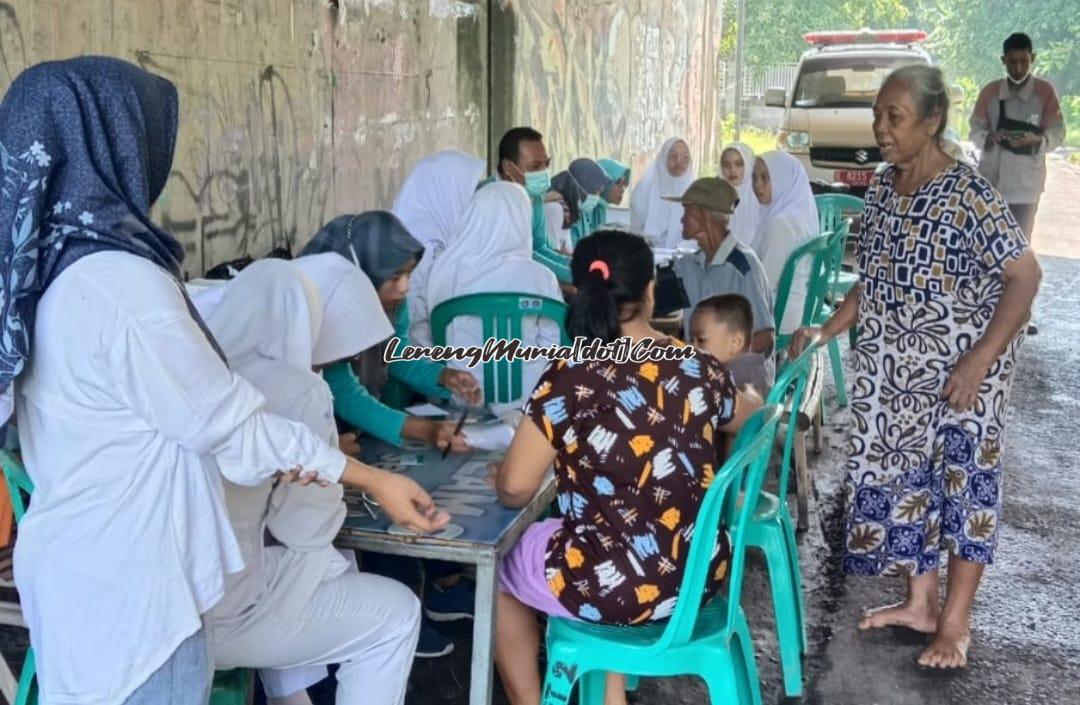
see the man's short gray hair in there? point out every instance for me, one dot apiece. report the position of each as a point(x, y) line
point(722, 218)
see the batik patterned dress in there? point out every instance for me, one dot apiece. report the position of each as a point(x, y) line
point(636, 450)
point(923, 478)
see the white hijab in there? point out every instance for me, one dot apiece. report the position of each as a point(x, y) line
point(745, 220)
point(792, 198)
point(658, 220)
point(353, 317)
point(436, 193)
point(492, 253)
point(268, 312)
point(790, 220)
point(430, 205)
point(267, 322)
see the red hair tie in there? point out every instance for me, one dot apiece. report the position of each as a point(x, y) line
point(599, 265)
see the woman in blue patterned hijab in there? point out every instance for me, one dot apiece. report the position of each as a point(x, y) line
point(86, 146)
point(128, 421)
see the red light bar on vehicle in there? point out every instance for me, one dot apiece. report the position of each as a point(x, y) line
point(884, 36)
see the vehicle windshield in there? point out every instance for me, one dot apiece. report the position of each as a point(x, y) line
point(845, 82)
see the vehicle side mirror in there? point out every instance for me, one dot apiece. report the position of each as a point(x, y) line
point(776, 97)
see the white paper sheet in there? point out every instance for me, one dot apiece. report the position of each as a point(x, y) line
point(494, 436)
point(427, 410)
point(510, 413)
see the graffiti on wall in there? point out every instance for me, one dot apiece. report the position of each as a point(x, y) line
point(614, 79)
point(294, 111)
point(291, 111)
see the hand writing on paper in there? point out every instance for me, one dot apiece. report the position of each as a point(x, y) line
point(444, 436)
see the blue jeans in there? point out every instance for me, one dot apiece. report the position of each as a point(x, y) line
point(182, 680)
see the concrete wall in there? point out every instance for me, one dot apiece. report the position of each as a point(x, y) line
point(293, 111)
point(608, 78)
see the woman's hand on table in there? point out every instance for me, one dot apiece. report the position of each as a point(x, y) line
point(967, 376)
point(348, 444)
point(406, 503)
point(463, 384)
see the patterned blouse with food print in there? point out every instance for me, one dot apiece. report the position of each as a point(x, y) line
point(636, 449)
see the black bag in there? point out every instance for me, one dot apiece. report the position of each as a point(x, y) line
point(670, 293)
point(228, 270)
point(1010, 125)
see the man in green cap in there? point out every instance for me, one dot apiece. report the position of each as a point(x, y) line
point(724, 265)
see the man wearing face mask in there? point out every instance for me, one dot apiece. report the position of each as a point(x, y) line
point(1016, 121)
point(524, 160)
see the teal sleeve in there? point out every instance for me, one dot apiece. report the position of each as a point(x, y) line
point(419, 375)
point(355, 404)
point(542, 252)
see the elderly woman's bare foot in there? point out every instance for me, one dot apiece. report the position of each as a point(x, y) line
point(950, 646)
point(918, 617)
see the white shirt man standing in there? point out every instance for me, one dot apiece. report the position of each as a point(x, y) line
point(1016, 121)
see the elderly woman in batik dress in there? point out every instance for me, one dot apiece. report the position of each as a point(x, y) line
point(946, 285)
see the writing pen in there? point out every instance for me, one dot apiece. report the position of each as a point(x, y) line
point(460, 423)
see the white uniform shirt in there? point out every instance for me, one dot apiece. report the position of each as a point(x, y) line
point(123, 411)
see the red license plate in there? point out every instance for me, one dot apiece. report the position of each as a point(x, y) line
point(854, 177)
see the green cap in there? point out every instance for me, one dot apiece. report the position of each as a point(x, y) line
point(711, 193)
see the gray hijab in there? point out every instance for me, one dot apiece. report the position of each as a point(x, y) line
point(583, 177)
point(375, 241)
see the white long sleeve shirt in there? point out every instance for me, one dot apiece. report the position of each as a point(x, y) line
point(125, 413)
point(1019, 177)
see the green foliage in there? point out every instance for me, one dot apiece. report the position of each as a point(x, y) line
point(775, 28)
point(965, 38)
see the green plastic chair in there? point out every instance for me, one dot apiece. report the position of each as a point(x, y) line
point(834, 215)
point(229, 687)
point(713, 641)
point(502, 316)
point(772, 530)
point(831, 209)
point(817, 249)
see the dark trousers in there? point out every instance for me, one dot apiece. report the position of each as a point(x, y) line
point(1025, 216)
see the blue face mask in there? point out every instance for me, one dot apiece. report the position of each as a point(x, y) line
point(591, 202)
point(537, 183)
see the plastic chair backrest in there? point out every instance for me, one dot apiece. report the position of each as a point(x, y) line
point(787, 392)
point(831, 208)
point(743, 473)
point(501, 316)
point(19, 484)
point(818, 250)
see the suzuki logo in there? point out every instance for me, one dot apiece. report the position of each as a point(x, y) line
point(862, 156)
